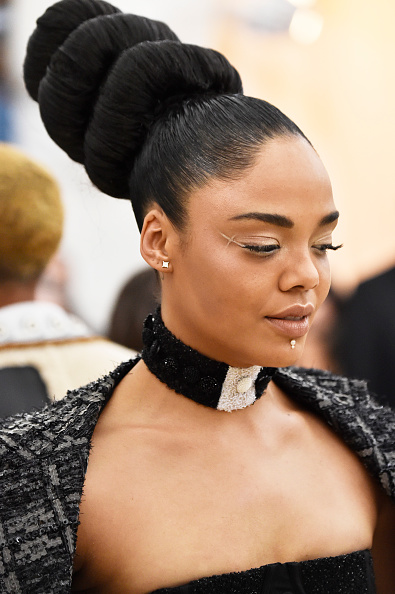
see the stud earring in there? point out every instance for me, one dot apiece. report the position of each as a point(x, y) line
point(293, 343)
point(165, 264)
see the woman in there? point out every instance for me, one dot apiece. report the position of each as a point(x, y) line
point(214, 466)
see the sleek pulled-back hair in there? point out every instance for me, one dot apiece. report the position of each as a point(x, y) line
point(215, 136)
point(150, 118)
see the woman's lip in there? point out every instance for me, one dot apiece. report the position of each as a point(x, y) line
point(291, 328)
point(295, 311)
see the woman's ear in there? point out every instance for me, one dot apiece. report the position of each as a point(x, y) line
point(154, 241)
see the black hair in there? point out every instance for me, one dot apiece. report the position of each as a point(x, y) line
point(53, 28)
point(150, 118)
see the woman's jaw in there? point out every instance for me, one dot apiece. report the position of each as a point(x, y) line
point(275, 341)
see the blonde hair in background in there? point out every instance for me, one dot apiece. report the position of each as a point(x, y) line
point(31, 216)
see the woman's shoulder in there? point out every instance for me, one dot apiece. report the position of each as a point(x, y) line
point(364, 423)
point(326, 390)
point(324, 381)
point(345, 400)
point(63, 424)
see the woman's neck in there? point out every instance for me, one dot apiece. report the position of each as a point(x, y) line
point(206, 381)
point(16, 292)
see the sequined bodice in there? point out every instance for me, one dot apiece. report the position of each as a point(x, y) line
point(344, 574)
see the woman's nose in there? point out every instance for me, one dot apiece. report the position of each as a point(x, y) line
point(301, 272)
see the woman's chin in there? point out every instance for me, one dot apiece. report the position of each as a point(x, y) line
point(282, 359)
point(279, 355)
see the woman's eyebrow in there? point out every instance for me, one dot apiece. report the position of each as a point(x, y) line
point(330, 218)
point(272, 219)
point(282, 221)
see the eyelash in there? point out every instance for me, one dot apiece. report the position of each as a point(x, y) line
point(269, 249)
point(324, 247)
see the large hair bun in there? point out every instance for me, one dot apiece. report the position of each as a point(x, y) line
point(145, 81)
point(107, 83)
point(53, 27)
point(76, 71)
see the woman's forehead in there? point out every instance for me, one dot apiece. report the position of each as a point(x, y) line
point(286, 176)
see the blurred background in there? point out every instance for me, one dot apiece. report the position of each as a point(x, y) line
point(328, 64)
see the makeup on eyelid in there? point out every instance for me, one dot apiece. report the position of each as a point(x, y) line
point(269, 241)
point(267, 248)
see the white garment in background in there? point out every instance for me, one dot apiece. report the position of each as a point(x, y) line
point(59, 345)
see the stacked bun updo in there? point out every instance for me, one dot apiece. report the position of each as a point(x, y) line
point(149, 117)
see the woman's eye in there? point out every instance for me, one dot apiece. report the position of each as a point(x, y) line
point(324, 247)
point(262, 249)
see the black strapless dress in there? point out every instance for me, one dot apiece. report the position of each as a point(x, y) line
point(344, 574)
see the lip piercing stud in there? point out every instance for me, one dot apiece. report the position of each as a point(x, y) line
point(293, 343)
point(165, 264)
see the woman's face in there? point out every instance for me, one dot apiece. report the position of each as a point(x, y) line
point(253, 268)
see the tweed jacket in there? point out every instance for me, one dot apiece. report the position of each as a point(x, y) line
point(44, 457)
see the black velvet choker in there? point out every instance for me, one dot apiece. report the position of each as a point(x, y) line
point(196, 376)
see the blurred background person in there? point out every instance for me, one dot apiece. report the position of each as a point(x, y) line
point(138, 298)
point(44, 350)
point(53, 283)
point(366, 341)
